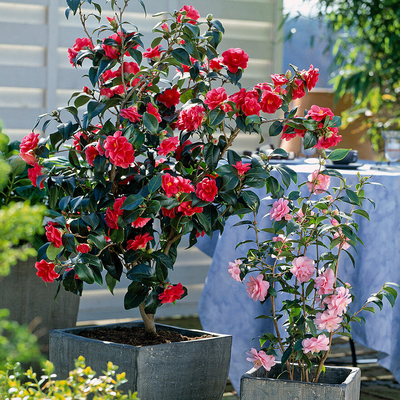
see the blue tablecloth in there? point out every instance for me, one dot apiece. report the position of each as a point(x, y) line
point(225, 307)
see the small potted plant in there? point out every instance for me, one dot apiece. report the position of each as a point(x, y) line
point(149, 161)
point(297, 269)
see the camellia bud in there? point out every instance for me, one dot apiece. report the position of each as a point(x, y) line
point(288, 74)
point(209, 17)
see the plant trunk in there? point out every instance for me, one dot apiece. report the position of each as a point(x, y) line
point(148, 320)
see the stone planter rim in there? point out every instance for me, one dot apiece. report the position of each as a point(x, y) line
point(74, 332)
point(353, 372)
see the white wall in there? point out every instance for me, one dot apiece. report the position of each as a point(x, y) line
point(36, 76)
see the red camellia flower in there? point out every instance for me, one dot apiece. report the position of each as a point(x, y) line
point(329, 139)
point(27, 147)
point(54, 235)
point(131, 114)
point(83, 248)
point(298, 89)
point(186, 208)
point(76, 140)
point(171, 293)
point(191, 14)
point(169, 97)
point(235, 59)
point(206, 189)
point(168, 145)
point(311, 76)
point(190, 118)
point(250, 104)
point(114, 51)
point(319, 113)
point(238, 98)
point(279, 79)
point(169, 185)
point(80, 44)
point(290, 135)
point(153, 53)
point(153, 111)
point(242, 168)
point(215, 97)
point(140, 222)
point(119, 150)
point(184, 185)
point(168, 213)
point(91, 153)
point(34, 173)
point(46, 271)
point(215, 64)
point(270, 102)
point(112, 215)
point(139, 242)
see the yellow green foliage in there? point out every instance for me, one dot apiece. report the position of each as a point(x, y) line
point(81, 384)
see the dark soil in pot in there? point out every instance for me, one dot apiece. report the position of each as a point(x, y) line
point(136, 336)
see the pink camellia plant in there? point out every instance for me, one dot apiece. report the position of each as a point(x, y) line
point(151, 158)
point(299, 265)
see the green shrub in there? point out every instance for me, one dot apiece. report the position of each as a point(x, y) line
point(81, 384)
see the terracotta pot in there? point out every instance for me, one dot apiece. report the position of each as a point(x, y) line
point(191, 370)
point(31, 301)
point(338, 383)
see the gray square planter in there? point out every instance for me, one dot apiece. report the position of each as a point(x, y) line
point(192, 370)
point(338, 383)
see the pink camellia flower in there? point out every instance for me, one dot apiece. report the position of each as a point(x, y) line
point(344, 242)
point(140, 242)
point(119, 150)
point(288, 136)
point(279, 79)
point(153, 111)
point(315, 344)
point(318, 183)
point(327, 320)
point(257, 288)
point(168, 145)
point(261, 359)
point(153, 53)
point(80, 44)
point(140, 222)
point(270, 102)
point(215, 97)
point(338, 303)
point(184, 185)
point(235, 59)
point(169, 185)
point(206, 189)
point(27, 147)
point(324, 282)
point(298, 89)
point(112, 214)
point(165, 27)
point(106, 93)
point(319, 113)
point(191, 14)
point(83, 248)
point(170, 97)
point(238, 98)
point(303, 268)
point(186, 209)
point(129, 68)
point(215, 64)
point(190, 118)
point(46, 271)
point(54, 235)
point(91, 153)
point(76, 143)
point(242, 168)
point(279, 209)
point(234, 270)
point(171, 293)
point(131, 114)
point(311, 77)
point(34, 173)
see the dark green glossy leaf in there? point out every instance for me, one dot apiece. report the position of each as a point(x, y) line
point(150, 122)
